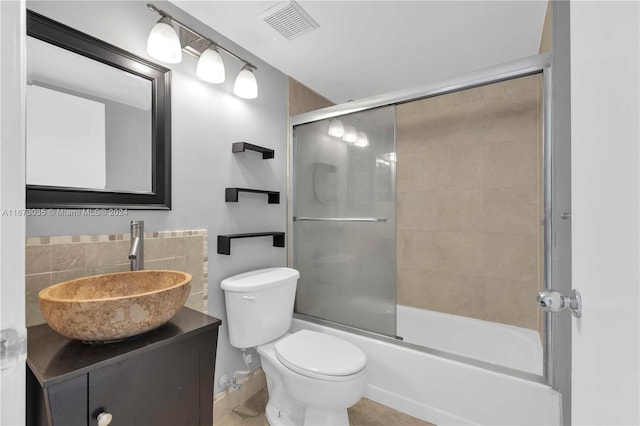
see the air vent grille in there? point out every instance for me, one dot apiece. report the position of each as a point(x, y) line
point(289, 19)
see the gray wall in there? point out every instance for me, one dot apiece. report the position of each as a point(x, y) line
point(206, 119)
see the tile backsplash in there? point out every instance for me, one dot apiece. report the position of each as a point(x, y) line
point(50, 260)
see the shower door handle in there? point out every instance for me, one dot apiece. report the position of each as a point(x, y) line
point(339, 219)
point(554, 301)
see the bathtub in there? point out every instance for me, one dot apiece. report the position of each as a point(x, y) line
point(499, 344)
point(446, 391)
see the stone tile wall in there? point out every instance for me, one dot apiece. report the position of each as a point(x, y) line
point(469, 189)
point(50, 260)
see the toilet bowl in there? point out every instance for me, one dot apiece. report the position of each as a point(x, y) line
point(312, 378)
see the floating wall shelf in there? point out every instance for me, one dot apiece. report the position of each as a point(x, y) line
point(243, 146)
point(224, 241)
point(231, 195)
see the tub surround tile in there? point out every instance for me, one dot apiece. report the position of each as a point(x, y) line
point(417, 249)
point(458, 210)
point(460, 168)
point(461, 252)
point(418, 172)
point(477, 226)
point(453, 293)
point(510, 302)
point(49, 260)
point(419, 210)
point(511, 210)
point(511, 121)
point(412, 287)
point(509, 164)
point(511, 256)
point(460, 126)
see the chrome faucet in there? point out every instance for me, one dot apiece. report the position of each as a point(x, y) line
point(136, 253)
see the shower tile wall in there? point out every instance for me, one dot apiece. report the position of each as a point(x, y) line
point(302, 99)
point(469, 202)
point(50, 260)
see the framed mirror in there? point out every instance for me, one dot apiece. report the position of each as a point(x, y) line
point(98, 123)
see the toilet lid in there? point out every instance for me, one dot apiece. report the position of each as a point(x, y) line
point(308, 351)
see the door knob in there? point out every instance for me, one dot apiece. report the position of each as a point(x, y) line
point(554, 301)
point(104, 419)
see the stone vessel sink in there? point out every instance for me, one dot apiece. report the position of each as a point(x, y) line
point(114, 306)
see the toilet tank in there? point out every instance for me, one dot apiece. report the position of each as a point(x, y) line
point(259, 305)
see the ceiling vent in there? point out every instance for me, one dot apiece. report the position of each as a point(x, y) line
point(289, 19)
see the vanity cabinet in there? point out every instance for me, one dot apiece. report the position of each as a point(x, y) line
point(164, 377)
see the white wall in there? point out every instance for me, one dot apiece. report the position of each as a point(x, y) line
point(12, 94)
point(206, 119)
point(605, 110)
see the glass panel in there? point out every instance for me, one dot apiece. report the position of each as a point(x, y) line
point(469, 237)
point(344, 219)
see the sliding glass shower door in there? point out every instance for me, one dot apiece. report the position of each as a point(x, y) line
point(344, 219)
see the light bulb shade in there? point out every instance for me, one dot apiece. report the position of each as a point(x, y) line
point(246, 85)
point(362, 139)
point(350, 134)
point(336, 128)
point(163, 43)
point(210, 67)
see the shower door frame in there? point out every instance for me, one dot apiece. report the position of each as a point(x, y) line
point(556, 345)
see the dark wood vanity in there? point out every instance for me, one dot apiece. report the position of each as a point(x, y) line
point(163, 377)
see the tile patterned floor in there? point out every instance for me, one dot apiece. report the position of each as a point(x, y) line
point(364, 413)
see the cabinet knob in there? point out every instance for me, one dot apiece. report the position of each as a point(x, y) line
point(104, 419)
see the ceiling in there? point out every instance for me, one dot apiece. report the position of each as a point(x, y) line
point(366, 48)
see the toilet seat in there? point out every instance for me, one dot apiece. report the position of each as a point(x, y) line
point(320, 356)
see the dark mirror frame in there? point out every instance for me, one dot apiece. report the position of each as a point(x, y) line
point(39, 196)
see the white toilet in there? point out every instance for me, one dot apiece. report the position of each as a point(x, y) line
point(312, 377)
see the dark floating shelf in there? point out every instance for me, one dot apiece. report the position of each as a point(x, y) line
point(224, 241)
point(231, 194)
point(243, 146)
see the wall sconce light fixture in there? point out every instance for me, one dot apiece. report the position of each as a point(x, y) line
point(362, 140)
point(167, 45)
point(336, 128)
point(350, 134)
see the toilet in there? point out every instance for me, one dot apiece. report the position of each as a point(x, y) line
point(312, 378)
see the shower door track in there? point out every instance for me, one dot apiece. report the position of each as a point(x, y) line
point(496, 368)
point(537, 64)
point(519, 68)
